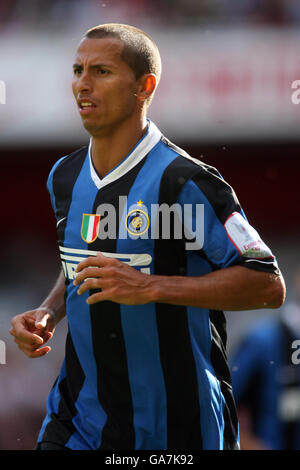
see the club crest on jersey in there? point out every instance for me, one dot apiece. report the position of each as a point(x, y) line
point(137, 222)
point(90, 227)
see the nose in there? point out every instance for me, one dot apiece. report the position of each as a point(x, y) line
point(83, 83)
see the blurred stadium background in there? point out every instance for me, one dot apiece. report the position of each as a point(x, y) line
point(225, 96)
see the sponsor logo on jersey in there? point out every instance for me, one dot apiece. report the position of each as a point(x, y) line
point(245, 238)
point(90, 227)
point(70, 257)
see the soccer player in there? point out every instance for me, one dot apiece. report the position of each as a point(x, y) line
point(145, 364)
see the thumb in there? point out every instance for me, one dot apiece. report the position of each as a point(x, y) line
point(42, 317)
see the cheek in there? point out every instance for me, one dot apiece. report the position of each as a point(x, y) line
point(124, 95)
point(74, 88)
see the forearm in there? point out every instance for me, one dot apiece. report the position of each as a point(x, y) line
point(55, 301)
point(233, 288)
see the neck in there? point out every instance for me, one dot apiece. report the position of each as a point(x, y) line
point(108, 150)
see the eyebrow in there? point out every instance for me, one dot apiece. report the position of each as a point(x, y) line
point(94, 66)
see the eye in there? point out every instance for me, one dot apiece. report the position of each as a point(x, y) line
point(77, 70)
point(101, 71)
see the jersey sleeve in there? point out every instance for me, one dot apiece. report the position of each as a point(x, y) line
point(49, 183)
point(213, 216)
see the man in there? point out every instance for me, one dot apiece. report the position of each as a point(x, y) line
point(145, 364)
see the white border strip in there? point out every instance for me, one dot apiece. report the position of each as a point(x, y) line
point(149, 141)
point(133, 259)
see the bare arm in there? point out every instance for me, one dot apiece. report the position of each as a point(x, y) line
point(233, 288)
point(32, 329)
point(55, 301)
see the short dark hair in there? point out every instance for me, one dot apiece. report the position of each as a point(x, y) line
point(140, 52)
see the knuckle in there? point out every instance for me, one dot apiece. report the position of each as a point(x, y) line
point(113, 262)
point(113, 289)
point(112, 284)
point(94, 283)
point(89, 284)
point(113, 271)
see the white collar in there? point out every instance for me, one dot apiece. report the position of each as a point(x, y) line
point(143, 147)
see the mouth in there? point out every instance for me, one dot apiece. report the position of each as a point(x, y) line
point(86, 106)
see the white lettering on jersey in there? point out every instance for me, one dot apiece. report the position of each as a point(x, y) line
point(245, 238)
point(70, 257)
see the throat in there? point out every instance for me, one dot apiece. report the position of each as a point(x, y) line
point(107, 153)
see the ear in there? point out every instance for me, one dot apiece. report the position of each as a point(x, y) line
point(146, 87)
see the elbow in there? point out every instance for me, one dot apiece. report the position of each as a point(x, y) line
point(277, 293)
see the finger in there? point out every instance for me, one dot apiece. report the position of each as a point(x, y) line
point(32, 345)
point(86, 273)
point(29, 349)
point(42, 320)
point(47, 335)
point(91, 284)
point(20, 323)
point(38, 352)
point(98, 297)
point(26, 347)
point(27, 337)
point(99, 260)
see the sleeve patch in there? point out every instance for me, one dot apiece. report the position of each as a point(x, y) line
point(245, 238)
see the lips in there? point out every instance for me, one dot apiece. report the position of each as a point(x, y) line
point(86, 106)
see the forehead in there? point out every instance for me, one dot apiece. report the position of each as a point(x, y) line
point(104, 50)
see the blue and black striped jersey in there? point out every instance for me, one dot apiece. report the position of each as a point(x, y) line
point(151, 376)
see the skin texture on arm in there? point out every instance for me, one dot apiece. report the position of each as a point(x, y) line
point(233, 288)
point(32, 329)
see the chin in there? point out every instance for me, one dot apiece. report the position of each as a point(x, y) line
point(92, 128)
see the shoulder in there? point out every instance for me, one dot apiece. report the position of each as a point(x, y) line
point(184, 161)
point(192, 176)
point(69, 159)
point(66, 168)
point(184, 167)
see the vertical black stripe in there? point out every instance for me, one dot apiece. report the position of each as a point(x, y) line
point(222, 371)
point(177, 359)
point(64, 178)
point(220, 194)
point(60, 428)
point(114, 391)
